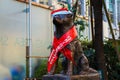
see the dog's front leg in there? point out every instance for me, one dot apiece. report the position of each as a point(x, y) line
point(69, 71)
point(54, 66)
point(53, 69)
point(70, 67)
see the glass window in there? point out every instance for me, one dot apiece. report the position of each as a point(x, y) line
point(111, 1)
point(46, 2)
point(59, 0)
point(111, 8)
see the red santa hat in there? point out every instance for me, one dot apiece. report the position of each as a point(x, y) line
point(60, 11)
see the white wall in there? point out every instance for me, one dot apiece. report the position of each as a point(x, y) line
point(13, 22)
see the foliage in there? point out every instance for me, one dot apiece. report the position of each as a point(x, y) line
point(119, 24)
point(42, 69)
point(89, 52)
point(112, 63)
point(81, 25)
point(119, 29)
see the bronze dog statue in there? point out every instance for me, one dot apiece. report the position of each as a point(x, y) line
point(63, 22)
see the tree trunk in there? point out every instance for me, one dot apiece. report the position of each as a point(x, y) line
point(98, 45)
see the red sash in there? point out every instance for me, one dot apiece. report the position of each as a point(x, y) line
point(59, 46)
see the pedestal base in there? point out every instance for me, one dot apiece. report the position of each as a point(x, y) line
point(32, 79)
point(56, 77)
point(93, 76)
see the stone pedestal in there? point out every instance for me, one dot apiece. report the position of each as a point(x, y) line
point(32, 79)
point(93, 76)
point(56, 77)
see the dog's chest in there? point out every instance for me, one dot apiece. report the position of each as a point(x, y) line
point(76, 48)
point(72, 45)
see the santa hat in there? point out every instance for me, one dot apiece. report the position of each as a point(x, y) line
point(60, 11)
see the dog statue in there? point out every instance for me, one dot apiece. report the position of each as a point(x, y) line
point(77, 63)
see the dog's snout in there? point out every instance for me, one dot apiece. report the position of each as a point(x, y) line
point(60, 16)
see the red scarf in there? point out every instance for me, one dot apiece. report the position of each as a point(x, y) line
point(59, 46)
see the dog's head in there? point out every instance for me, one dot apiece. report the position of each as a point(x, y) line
point(62, 17)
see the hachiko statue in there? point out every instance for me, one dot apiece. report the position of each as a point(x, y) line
point(65, 42)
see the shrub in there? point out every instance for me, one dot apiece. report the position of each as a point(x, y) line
point(42, 69)
point(112, 63)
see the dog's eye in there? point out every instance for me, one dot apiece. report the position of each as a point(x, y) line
point(61, 16)
point(57, 16)
point(69, 15)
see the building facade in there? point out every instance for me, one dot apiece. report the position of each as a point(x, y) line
point(113, 10)
point(118, 8)
point(14, 20)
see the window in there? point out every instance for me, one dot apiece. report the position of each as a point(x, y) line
point(40, 3)
point(111, 8)
point(111, 1)
point(46, 2)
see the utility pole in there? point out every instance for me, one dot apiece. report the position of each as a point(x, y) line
point(29, 46)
